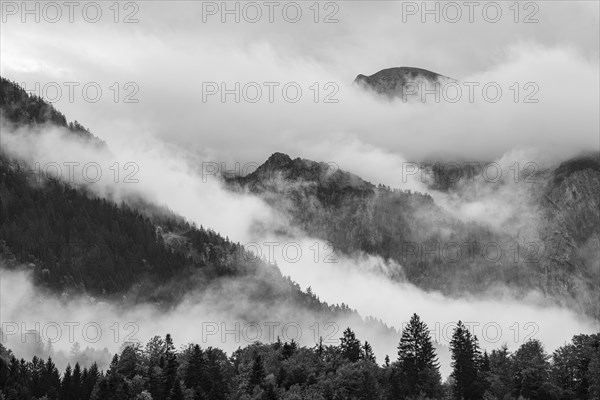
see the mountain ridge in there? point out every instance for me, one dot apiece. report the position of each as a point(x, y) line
point(380, 221)
point(142, 253)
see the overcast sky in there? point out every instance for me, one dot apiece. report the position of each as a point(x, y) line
point(177, 50)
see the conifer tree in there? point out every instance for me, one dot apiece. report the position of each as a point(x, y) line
point(350, 346)
point(171, 365)
point(367, 352)
point(257, 373)
point(466, 362)
point(417, 368)
point(67, 384)
point(194, 372)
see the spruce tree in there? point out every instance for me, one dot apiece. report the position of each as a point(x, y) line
point(257, 373)
point(350, 346)
point(367, 352)
point(171, 365)
point(77, 382)
point(466, 364)
point(417, 367)
point(67, 384)
point(194, 372)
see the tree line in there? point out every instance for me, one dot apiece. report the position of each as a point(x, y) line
point(288, 371)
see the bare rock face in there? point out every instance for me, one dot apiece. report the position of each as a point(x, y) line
point(407, 83)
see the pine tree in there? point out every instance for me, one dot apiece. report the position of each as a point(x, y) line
point(417, 368)
point(288, 349)
point(89, 378)
point(466, 362)
point(257, 373)
point(531, 371)
point(77, 381)
point(367, 352)
point(216, 387)
point(37, 370)
point(194, 371)
point(128, 362)
point(67, 384)
point(501, 378)
point(350, 346)
point(50, 377)
point(153, 374)
point(171, 365)
point(319, 348)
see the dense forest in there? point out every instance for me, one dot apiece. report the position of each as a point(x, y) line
point(346, 371)
point(74, 244)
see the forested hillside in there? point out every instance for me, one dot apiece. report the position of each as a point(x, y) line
point(75, 243)
point(346, 371)
point(23, 109)
point(557, 256)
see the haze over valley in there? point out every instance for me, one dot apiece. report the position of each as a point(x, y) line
point(386, 232)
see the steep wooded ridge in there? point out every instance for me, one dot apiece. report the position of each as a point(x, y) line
point(22, 109)
point(74, 243)
point(560, 260)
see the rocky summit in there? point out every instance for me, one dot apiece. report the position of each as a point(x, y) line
point(404, 82)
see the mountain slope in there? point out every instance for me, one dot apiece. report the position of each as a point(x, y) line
point(424, 238)
point(76, 244)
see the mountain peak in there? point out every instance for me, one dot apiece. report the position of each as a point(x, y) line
point(393, 81)
point(278, 159)
point(281, 167)
point(399, 73)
